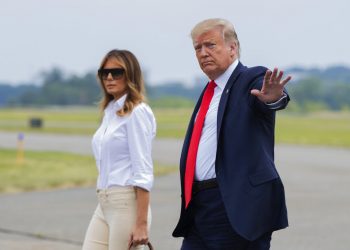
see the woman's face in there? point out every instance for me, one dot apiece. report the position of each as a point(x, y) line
point(113, 78)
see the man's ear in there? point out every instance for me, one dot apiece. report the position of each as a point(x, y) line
point(232, 49)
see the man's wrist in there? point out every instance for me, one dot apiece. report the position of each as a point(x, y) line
point(277, 104)
point(276, 100)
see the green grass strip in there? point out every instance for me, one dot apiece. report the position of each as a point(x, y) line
point(49, 170)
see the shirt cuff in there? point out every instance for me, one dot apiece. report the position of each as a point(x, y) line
point(144, 181)
point(278, 104)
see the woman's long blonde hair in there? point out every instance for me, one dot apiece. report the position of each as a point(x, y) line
point(133, 79)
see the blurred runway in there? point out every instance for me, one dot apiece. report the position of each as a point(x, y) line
point(165, 151)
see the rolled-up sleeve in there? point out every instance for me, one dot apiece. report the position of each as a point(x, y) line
point(141, 129)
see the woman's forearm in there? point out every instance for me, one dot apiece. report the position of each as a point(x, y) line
point(142, 201)
point(139, 234)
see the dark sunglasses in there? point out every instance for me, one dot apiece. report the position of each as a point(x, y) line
point(116, 73)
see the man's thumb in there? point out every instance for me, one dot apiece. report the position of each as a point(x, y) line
point(255, 92)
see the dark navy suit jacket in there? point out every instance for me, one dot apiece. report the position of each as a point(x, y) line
point(251, 189)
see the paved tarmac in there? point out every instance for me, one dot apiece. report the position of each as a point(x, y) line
point(165, 151)
point(57, 220)
point(316, 179)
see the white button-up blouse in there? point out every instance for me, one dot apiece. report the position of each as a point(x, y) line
point(122, 147)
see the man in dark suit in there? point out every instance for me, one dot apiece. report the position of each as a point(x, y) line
point(232, 195)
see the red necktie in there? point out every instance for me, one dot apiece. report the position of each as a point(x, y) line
point(195, 138)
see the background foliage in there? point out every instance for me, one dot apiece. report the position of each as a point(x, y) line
point(310, 90)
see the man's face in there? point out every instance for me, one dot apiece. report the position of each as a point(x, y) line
point(213, 53)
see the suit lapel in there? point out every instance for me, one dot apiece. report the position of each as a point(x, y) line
point(225, 94)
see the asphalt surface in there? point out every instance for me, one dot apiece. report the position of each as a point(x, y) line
point(165, 151)
point(57, 220)
point(316, 179)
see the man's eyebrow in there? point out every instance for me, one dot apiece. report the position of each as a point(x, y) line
point(205, 41)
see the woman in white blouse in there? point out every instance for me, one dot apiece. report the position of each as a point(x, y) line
point(122, 148)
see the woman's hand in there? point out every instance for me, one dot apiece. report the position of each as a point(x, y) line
point(139, 235)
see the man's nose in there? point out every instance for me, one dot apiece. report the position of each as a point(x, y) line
point(203, 51)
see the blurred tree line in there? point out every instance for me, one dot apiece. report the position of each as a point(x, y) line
point(314, 94)
point(310, 90)
point(316, 89)
point(58, 89)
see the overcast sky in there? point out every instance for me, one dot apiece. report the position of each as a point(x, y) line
point(75, 34)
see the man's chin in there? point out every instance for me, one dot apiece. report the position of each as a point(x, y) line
point(210, 72)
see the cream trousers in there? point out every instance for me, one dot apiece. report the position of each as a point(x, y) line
point(113, 220)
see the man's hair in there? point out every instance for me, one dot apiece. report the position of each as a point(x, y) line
point(228, 31)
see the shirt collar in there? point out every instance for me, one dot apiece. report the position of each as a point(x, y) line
point(223, 79)
point(118, 104)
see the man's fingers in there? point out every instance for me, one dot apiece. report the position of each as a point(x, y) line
point(279, 77)
point(273, 76)
point(267, 76)
point(284, 82)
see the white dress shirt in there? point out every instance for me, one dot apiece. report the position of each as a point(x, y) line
point(206, 154)
point(122, 147)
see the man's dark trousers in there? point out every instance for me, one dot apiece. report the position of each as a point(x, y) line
point(211, 229)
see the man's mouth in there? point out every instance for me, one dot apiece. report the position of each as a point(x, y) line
point(206, 63)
